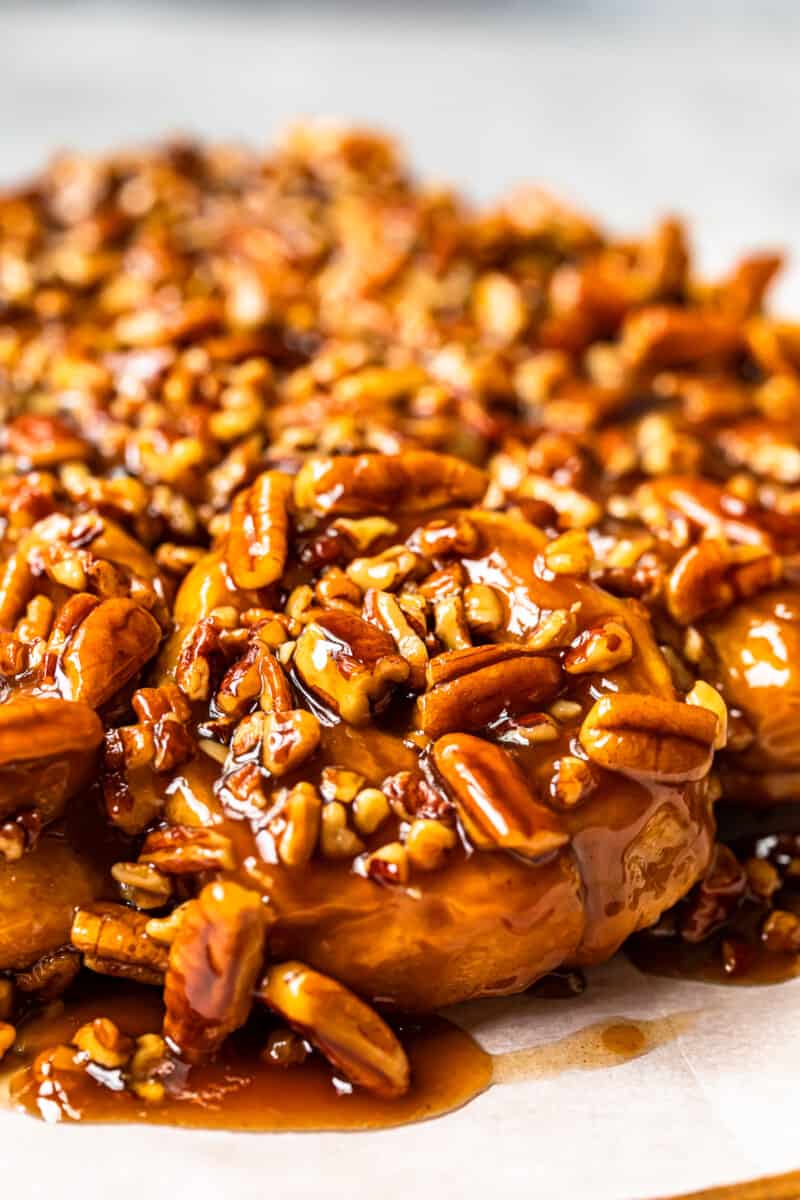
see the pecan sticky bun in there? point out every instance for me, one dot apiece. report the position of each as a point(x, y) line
point(378, 581)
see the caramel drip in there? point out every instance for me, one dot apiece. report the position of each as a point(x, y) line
point(608, 1043)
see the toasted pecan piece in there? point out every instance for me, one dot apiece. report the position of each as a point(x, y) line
point(468, 688)
point(650, 737)
point(495, 803)
point(259, 531)
point(415, 481)
point(214, 962)
point(348, 1032)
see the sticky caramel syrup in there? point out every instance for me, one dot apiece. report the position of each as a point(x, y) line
point(595, 1047)
point(705, 962)
point(238, 1090)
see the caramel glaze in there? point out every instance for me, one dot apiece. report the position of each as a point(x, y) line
point(486, 923)
point(596, 1047)
point(757, 649)
point(237, 1090)
point(704, 961)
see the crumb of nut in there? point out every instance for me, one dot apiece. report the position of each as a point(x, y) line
point(600, 648)
point(284, 1048)
point(708, 697)
point(142, 885)
point(573, 780)
point(781, 932)
point(104, 1043)
point(370, 809)
point(762, 878)
point(149, 1054)
point(338, 783)
point(387, 864)
point(427, 843)
point(569, 554)
point(694, 646)
point(482, 608)
point(303, 813)
point(7, 1037)
point(164, 929)
point(336, 838)
point(565, 710)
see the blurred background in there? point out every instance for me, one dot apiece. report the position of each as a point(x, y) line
point(629, 107)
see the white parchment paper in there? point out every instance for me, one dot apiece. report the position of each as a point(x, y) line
point(711, 1101)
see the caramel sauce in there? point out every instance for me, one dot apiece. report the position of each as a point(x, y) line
point(238, 1090)
point(674, 958)
point(596, 1047)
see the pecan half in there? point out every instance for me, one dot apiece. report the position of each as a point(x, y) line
point(712, 575)
point(349, 663)
point(365, 484)
point(470, 687)
point(214, 962)
point(110, 643)
point(114, 941)
point(183, 850)
point(495, 803)
point(47, 749)
point(350, 1034)
point(649, 737)
point(259, 531)
point(666, 336)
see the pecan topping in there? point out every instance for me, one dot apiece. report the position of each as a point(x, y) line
point(110, 643)
point(113, 941)
point(214, 962)
point(649, 737)
point(494, 801)
point(349, 664)
point(349, 1033)
point(412, 482)
point(470, 687)
point(258, 535)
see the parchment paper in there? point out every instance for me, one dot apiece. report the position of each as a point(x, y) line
point(711, 1100)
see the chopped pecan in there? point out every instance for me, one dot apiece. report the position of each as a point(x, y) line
point(665, 336)
point(113, 941)
point(199, 659)
point(716, 897)
point(43, 441)
point(182, 850)
point(50, 975)
point(343, 1028)
point(349, 664)
point(649, 737)
point(494, 801)
point(214, 962)
point(383, 610)
point(415, 481)
point(600, 648)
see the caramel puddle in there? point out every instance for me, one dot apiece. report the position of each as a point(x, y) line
point(239, 1091)
point(672, 958)
point(604, 1044)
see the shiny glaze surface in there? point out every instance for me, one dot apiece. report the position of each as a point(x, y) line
point(484, 923)
point(238, 1090)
